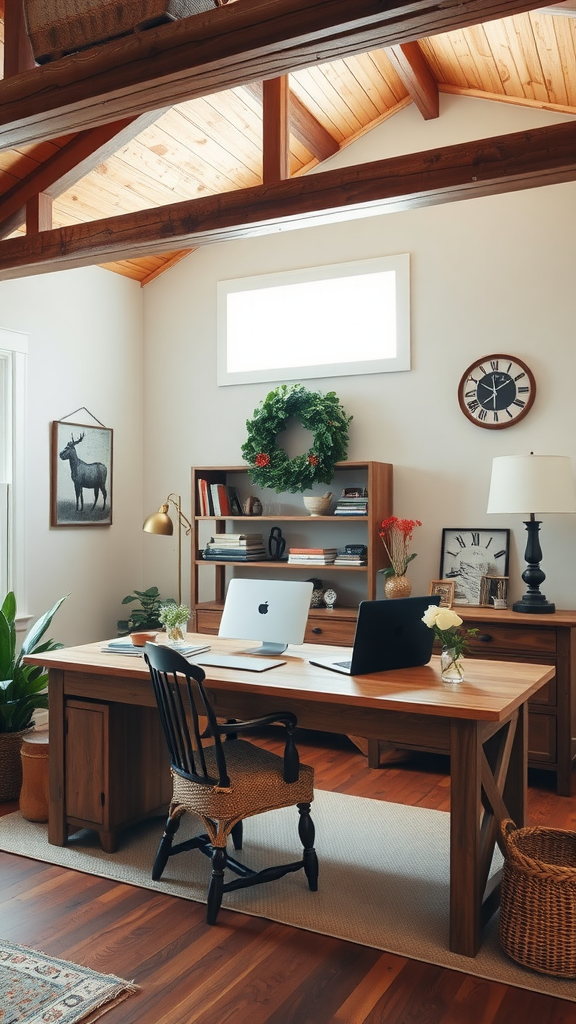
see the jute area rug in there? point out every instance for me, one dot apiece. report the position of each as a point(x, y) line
point(384, 878)
point(35, 988)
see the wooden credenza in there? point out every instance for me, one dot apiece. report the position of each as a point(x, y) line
point(545, 640)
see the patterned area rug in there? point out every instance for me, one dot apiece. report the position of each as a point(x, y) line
point(36, 989)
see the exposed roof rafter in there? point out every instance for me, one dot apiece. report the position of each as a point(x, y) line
point(412, 69)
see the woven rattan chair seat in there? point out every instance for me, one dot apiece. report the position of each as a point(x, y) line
point(256, 784)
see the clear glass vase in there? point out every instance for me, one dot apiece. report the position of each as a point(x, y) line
point(451, 665)
point(176, 634)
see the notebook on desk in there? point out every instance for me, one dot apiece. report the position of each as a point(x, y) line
point(389, 635)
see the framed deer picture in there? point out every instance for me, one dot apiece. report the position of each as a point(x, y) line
point(81, 475)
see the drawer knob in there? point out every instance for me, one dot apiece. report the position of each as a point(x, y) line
point(484, 638)
point(317, 629)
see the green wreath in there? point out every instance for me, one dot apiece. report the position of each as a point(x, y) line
point(321, 414)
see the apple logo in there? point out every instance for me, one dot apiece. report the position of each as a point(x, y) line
point(263, 608)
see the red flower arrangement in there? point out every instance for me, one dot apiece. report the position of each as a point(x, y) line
point(262, 459)
point(396, 535)
point(313, 460)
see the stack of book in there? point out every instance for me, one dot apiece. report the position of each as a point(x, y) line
point(352, 554)
point(124, 645)
point(352, 502)
point(235, 547)
point(217, 499)
point(311, 556)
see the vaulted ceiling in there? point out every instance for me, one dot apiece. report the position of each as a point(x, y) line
point(215, 143)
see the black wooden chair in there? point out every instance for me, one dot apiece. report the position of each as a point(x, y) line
point(224, 783)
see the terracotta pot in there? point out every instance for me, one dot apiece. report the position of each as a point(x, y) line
point(397, 586)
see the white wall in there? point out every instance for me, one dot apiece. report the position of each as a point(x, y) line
point(85, 349)
point(488, 275)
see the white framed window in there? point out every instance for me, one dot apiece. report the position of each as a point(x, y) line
point(335, 320)
point(13, 355)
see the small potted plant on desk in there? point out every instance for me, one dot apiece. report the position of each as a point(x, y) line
point(22, 691)
point(174, 617)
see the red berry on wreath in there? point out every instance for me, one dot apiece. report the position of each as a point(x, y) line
point(313, 460)
point(262, 459)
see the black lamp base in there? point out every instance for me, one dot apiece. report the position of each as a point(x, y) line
point(533, 601)
point(528, 604)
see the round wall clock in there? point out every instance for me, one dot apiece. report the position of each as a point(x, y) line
point(496, 391)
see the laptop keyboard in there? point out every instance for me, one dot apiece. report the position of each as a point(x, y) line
point(343, 664)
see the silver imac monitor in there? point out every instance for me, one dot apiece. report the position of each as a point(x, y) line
point(272, 611)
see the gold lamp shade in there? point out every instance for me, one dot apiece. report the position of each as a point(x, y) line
point(159, 523)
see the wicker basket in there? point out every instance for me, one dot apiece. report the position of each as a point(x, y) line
point(56, 27)
point(538, 904)
point(10, 765)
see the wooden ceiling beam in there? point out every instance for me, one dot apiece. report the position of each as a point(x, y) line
point(414, 72)
point(68, 165)
point(275, 130)
point(39, 214)
point(18, 55)
point(506, 163)
point(216, 50)
point(304, 126)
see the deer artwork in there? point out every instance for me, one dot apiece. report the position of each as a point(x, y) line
point(85, 474)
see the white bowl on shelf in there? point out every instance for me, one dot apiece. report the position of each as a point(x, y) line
point(317, 504)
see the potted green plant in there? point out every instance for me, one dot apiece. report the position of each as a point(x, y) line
point(22, 690)
point(174, 618)
point(147, 615)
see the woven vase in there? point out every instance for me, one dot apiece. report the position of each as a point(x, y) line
point(397, 586)
point(10, 765)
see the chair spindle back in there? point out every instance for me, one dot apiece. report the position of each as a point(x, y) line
point(180, 694)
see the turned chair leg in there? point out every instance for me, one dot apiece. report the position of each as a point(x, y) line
point(216, 887)
point(171, 827)
point(307, 833)
point(236, 834)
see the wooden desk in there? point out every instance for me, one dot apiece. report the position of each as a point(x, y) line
point(481, 724)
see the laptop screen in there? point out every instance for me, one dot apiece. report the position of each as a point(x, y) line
point(272, 611)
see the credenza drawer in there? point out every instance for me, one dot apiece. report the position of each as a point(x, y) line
point(542, 741)
point(208, 620)
point(322, 631)
point(516, 643)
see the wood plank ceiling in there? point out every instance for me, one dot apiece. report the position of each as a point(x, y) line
point(213, 144)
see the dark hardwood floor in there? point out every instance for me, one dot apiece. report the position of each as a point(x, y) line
point(250, 971)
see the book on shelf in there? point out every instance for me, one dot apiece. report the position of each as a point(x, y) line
point(220, 500)
point(235, 538)
point(312, 551)
point(234, 555)
point(349, 560)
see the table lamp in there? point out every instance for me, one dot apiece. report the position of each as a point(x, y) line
point(160, 523)
point(532, 484)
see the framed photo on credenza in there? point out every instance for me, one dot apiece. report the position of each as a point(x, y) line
point(469, 554)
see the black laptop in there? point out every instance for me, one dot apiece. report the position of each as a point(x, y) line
point(389, 634)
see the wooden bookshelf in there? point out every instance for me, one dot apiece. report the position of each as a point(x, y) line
point(334, 626)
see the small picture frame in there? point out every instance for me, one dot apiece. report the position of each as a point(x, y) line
point(445, 588)
point(81, 475)
point(494, 591)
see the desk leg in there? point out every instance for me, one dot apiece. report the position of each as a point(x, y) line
point(516, 785)
point(465, 855)
point(57, 831)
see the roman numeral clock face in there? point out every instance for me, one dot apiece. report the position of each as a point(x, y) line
point(497, 391)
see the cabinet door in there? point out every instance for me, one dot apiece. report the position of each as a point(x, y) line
point(86, 744)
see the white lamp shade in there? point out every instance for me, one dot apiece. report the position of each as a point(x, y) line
point(532, 484)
